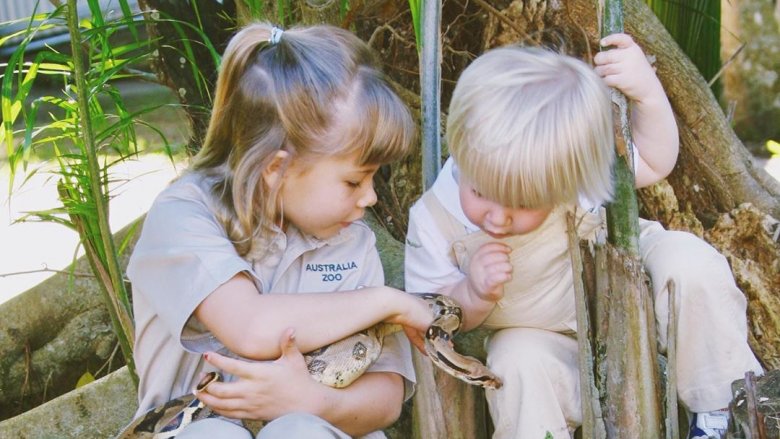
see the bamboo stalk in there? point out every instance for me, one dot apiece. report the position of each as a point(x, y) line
point(672, 418)
point(623, 212)
point(631, 390)
point(114, 288)
point(430, 84)
point(592, 418)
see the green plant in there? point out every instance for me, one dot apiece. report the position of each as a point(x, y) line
point(415, 6)
point(695, 25)
point(89, 129)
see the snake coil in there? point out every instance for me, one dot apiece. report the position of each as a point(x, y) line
point(336, 365)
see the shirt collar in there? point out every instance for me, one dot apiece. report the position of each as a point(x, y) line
point(446, 190)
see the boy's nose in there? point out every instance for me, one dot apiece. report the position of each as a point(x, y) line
point(499, 217)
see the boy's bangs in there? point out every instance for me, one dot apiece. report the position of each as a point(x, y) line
point(515, 183)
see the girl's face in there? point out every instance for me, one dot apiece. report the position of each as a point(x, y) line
point(324, 197)
point(494, 219)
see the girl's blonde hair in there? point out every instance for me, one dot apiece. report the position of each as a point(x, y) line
point(314, 92)
point(532, 128)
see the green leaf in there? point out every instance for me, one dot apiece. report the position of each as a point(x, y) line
point(85, 379)
point(415, 6)
point(695, 26)
point(773, 147)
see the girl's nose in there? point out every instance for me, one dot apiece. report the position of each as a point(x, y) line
point(368, 198)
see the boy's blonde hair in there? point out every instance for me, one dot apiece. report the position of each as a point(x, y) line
point(530, 128)
point(313, 92)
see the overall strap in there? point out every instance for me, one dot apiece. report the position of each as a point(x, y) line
point(450, 227)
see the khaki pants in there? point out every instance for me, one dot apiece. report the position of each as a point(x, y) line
point(292, 426)
point(540, 367)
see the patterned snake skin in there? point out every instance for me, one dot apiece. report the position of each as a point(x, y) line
point(336, 365)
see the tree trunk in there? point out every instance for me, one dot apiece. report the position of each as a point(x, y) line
point(191, 77)
point(714, 177)
point(96, 411)
point(706, 194)
point(714, 173)
point(751, 79)
point(54, 333)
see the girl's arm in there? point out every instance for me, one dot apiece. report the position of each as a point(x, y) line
point(266, 391)
point(250, 324)
point(653, 126)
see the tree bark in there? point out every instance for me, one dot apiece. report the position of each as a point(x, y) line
point(54, 333)
point(96, 411)
point(714, 191)
point(707, 193)
point(751, 79)
point(168, 25)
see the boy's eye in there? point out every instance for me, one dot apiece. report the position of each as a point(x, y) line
point(476, 193)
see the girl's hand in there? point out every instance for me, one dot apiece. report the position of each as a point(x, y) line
point(489, 270)
point(414, 315)
point(265, 390)
point(411, 311)
point(626, 68)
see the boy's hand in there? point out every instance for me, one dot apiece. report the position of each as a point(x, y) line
point(489, 270)
point(626, 67)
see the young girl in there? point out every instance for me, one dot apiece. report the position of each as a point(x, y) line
point(258, 250)
point(531, 139)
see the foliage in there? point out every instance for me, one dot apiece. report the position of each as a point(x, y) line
point(89, 129)
point(695, 26)
point(773, 147)
point(415, 6)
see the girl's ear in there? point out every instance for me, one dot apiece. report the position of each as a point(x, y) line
point(274, 171)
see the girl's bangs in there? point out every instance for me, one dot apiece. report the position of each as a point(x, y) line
point(380, 126)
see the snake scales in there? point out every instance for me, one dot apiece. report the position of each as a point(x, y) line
point(336, 365)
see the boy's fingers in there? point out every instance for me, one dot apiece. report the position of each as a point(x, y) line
point(618, 40)
point(607, 70)
point(496, 246)
point(609, 57)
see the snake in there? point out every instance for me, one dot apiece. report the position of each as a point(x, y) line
point(336, 365)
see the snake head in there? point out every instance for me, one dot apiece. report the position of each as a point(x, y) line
point(206, 380)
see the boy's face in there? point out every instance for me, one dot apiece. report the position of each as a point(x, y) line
point(323, 198)
point(494, 219)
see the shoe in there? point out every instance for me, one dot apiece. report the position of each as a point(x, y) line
point(709, 425)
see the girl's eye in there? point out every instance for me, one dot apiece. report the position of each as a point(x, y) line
point(476, 193)
point(353, 184)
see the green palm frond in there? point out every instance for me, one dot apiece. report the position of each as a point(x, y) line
point(89, 129)
point(415, 6)
point(695, 26)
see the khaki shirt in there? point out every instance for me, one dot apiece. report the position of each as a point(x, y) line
point(183, 254)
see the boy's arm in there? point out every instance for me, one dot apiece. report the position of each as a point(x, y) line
point(653, 126)
point(266, 391)
point(475, 309)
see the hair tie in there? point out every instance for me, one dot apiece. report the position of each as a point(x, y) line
point(276, 35)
